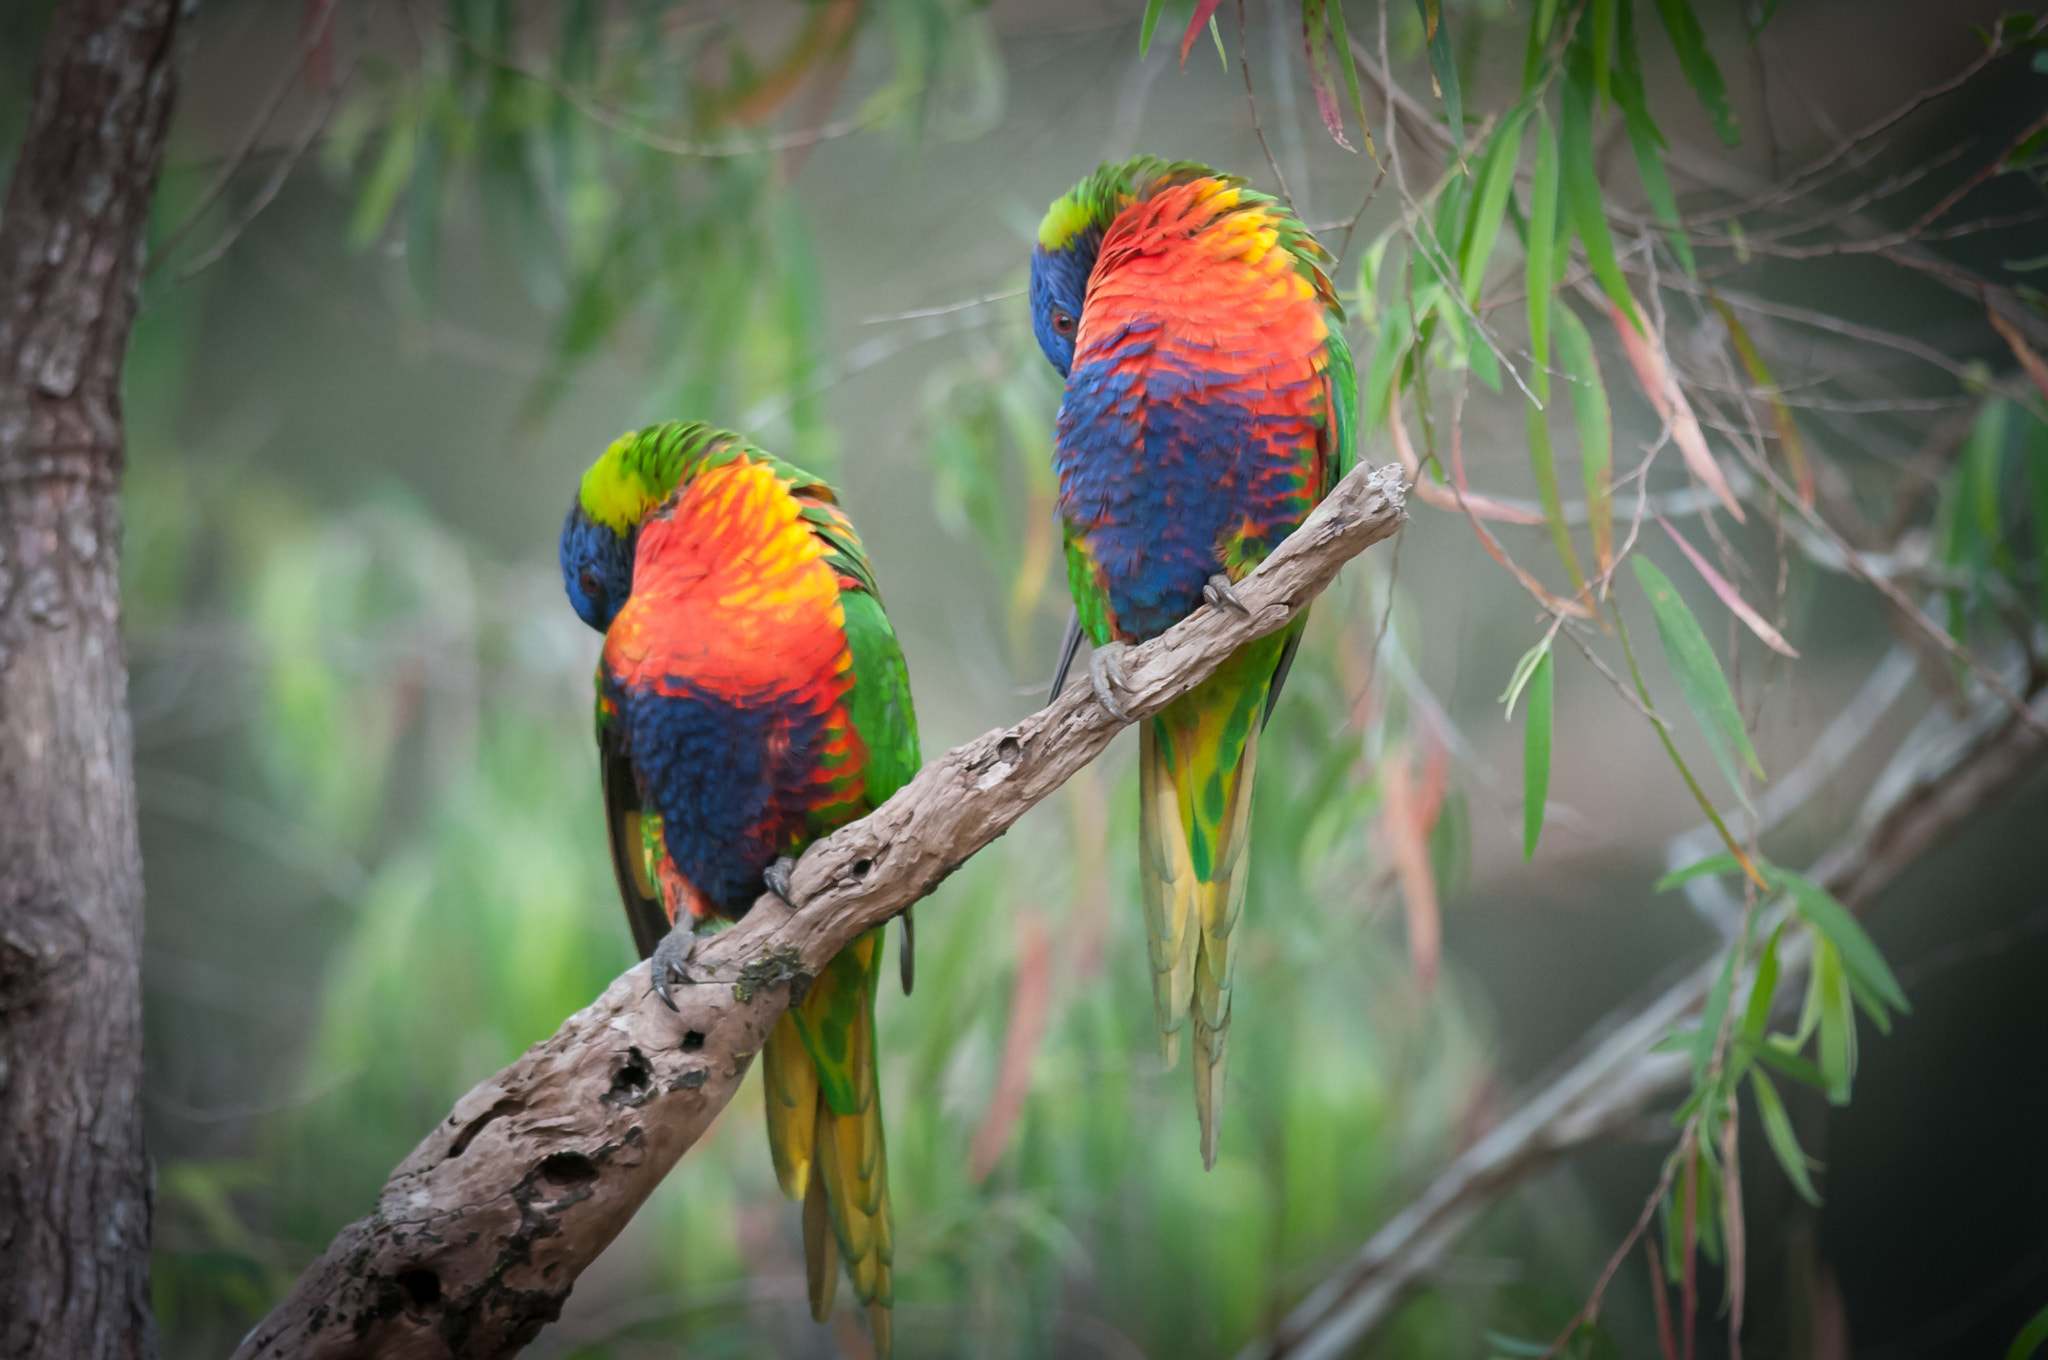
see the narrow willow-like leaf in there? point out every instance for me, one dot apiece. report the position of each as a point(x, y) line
point(1778, 1130)
point(2037, 488)
point(1985, 455)
point(1837, 1024)
point(1789, 438)
point(387, 177)
point(1712, 1014)
point(1581, 185)
point(1490, 203)
point(1542, 231)
point(1536, 755)
point(1757, 1014)
point(1545, 466)
point(1725, 590)
point(1646, 140)
point(1859, 954)
point(1603, 49)
point(1444, 67)
point(1692, 784)
point(1711, 866)
point(1341, 37)
point(1596, 430)
point(1199, 21)
point(1519, 677)
point(1313, 24)
point(1775, 1052)
point(1701, 71)
point(1150, 22)
point(1698, 672)
point(1539, 38)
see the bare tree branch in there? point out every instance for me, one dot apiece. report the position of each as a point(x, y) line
point(1942, 784)
point(480, 1234)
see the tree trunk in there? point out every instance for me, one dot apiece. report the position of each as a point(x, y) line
point(74, 1180)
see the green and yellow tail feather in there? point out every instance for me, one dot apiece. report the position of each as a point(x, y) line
point(825, 1131)
point(1196, 760)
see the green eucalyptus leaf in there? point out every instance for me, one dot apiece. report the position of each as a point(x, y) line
point(1701, 71)
point(1698, 672)
point(1536, 753)
point(1778, 1130)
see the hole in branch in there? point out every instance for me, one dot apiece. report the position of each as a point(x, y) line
point(693, 1040)
point(421, 1285)
point(568, 1168)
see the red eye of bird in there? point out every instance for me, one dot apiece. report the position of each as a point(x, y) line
point(588, 580)
point(1062, 323)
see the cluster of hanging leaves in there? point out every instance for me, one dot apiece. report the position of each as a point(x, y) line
point(630, 159)
point(1529, 177)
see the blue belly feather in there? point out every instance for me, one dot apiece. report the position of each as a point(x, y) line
point(1160, 464)
point(732, 783)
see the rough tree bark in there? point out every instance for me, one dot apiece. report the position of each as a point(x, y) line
point(74, 1180)
point(480, 1234)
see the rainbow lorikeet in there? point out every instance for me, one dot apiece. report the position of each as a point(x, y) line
point(751, 698)
point(1210, 403)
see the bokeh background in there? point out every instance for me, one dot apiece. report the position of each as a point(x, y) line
point(370, 820)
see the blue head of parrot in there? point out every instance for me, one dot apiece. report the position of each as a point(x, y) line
point(597, 568)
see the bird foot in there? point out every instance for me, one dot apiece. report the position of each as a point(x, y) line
point(1106, 673)
point(672, 960)
point(1221, 592)
point(776, 876)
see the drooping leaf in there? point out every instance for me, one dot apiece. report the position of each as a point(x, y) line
point(1406, 822)
point(1762, 988)
point(1320, 81)
point(1647, 142)
point(1778, 1130)
point(1581, 186)
point(1653, 371)
point(1150, 22)
point(1789, 438)
point(1859, 954)
point(1542, 228)
point(1712, 1014)
point(1596, 430)
point(1341, 40)
point(1519, 678)
point(1698, 673)
point(1775, 1052)
point(1985, 456)
point(1711, 866)
point(1536, 754)
point(1200, 21)
point(1692, 784)
point(1602, 18)
point(1729, 595)
point(1701, 71)
point(1545, 466)
point(1837, 1023)
point(1489, 204)
point(1539, 39)
point(1443, 68)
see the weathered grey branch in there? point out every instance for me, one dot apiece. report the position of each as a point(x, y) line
point(1944, 784)
point(479, 1235)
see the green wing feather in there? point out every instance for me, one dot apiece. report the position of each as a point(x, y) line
point(825, 1108)
point(626, 823)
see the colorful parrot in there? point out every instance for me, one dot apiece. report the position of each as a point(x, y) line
point(1210, 403)
point(751, 698)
